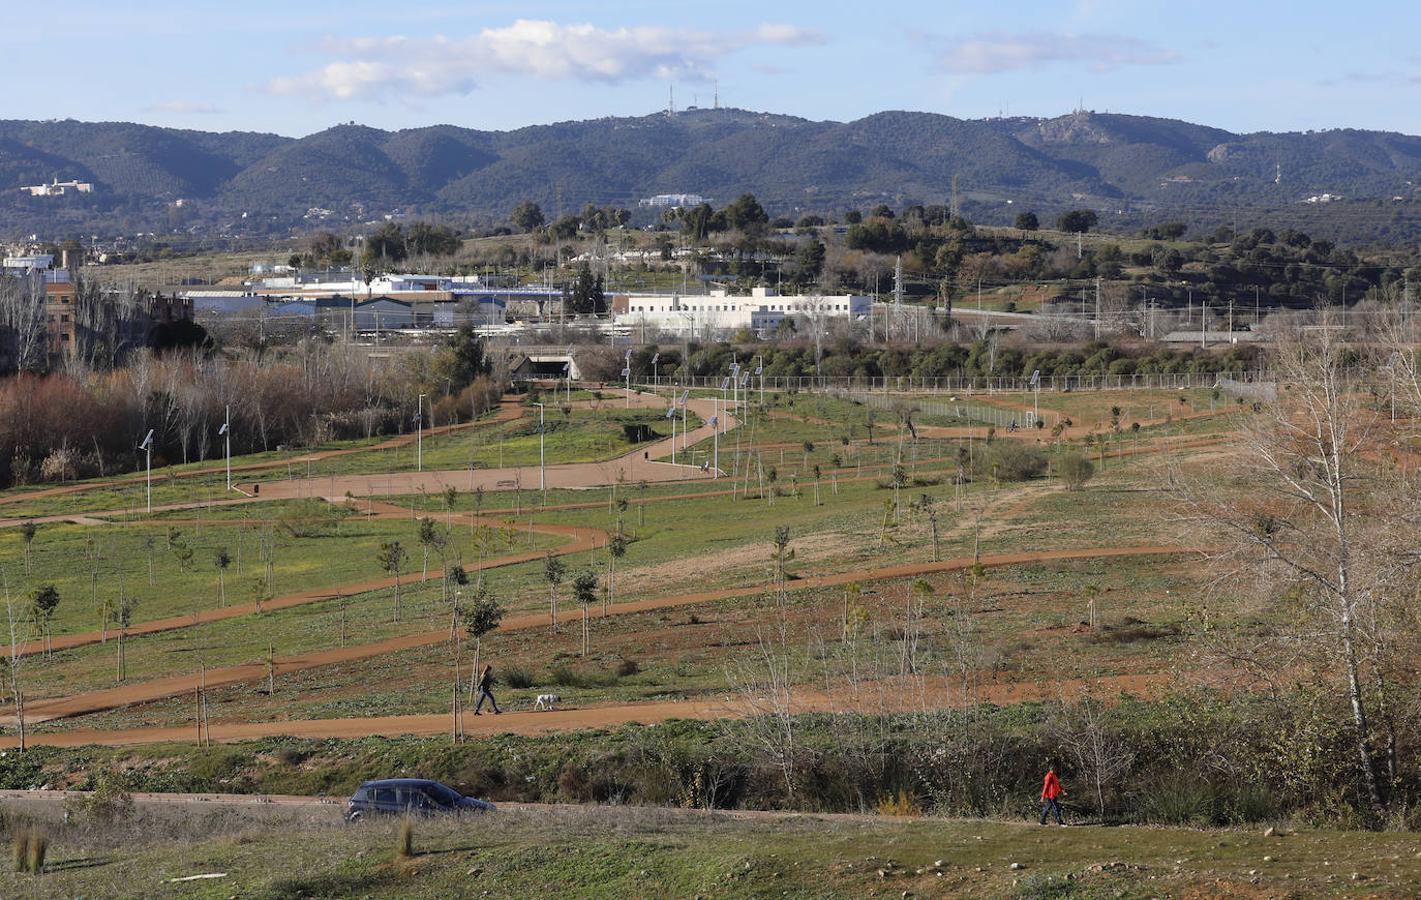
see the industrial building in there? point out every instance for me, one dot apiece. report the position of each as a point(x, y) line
point(720, 312)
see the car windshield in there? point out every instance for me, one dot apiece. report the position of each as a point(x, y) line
point(445, 795)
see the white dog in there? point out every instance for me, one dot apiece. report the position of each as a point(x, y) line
point(547, 701)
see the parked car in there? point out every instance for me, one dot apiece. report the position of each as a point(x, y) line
point(409, 796)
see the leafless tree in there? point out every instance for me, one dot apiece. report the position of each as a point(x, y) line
point(1313, 535)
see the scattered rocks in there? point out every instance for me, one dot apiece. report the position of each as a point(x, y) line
point(939, 863)
point(1267, 859)
point(1269, 831)
point(1015, 866)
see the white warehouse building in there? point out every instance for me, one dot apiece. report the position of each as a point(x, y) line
point(717, 311)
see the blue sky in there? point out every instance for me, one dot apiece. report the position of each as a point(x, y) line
point(295, 68)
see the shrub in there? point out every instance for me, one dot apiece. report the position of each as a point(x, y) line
point(29, 846)
point(404, 841)
point(900, 804)
point(627, 667)
point(572, 783)
point(518, 678)
point(39, 847)
point(1075, 471)
point(1012, 461)
point(109, 801)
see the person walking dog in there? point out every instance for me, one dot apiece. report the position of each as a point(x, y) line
point(1051, 790)
point(486, 693)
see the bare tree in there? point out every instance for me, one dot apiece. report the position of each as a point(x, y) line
point(1312, 531)
point(392, 559)
point(14, 660)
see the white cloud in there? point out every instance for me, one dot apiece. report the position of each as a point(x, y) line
point(435, 66)
point(994, 52)
point(184, 108)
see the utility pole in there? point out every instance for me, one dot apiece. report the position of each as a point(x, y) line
point(1097, 309)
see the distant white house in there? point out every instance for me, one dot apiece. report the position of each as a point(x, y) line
point(58, 188)
point(719, 311)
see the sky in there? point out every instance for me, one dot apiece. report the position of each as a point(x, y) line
point(296, 68)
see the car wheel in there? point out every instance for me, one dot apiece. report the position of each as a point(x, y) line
point(354, 817)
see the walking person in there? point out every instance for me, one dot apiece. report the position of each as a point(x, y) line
point(486, 693)
point(1051, 790)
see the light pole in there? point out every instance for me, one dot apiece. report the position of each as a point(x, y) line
point(419, 433)
point(655, 375)
point(760, 371)
point(540, 447)
point(671, 414)
point(715, 441)
point(627, 374)
point(685, 398)
point(226, 432)
point(1036, 398)
point(147, 447)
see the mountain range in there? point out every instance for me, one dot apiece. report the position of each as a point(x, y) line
point(1135, 168)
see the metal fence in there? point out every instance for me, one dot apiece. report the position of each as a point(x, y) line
point(977, 413)
point(954, 385)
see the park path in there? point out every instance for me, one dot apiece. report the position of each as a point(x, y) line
point(895, 695)
point(39, 710)
point(508, 410)
point(644, 463)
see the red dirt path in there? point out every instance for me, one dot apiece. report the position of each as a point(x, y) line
point(160, 688)
point(898, 695)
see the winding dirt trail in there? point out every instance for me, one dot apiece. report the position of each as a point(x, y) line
point(892, 695)
point(644, 463)
point(124, 695)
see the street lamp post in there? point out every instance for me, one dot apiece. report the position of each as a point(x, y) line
point(419, 433)
point(760, 371)
point(147, 448)
point(226, 432)
point(541, 468)
point(715, 440)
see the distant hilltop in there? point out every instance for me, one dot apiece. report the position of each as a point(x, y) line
point(126, 178)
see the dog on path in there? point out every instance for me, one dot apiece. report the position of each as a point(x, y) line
point(547, 701)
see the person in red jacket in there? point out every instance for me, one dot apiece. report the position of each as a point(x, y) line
point(1050, 790)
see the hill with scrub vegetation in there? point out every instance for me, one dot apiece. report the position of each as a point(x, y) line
point(1131, 168)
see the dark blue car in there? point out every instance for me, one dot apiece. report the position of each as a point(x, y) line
point(409, 796)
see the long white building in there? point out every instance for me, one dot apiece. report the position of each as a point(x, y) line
point(762, 311)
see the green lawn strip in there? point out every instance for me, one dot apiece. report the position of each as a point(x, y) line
point(64, 555)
